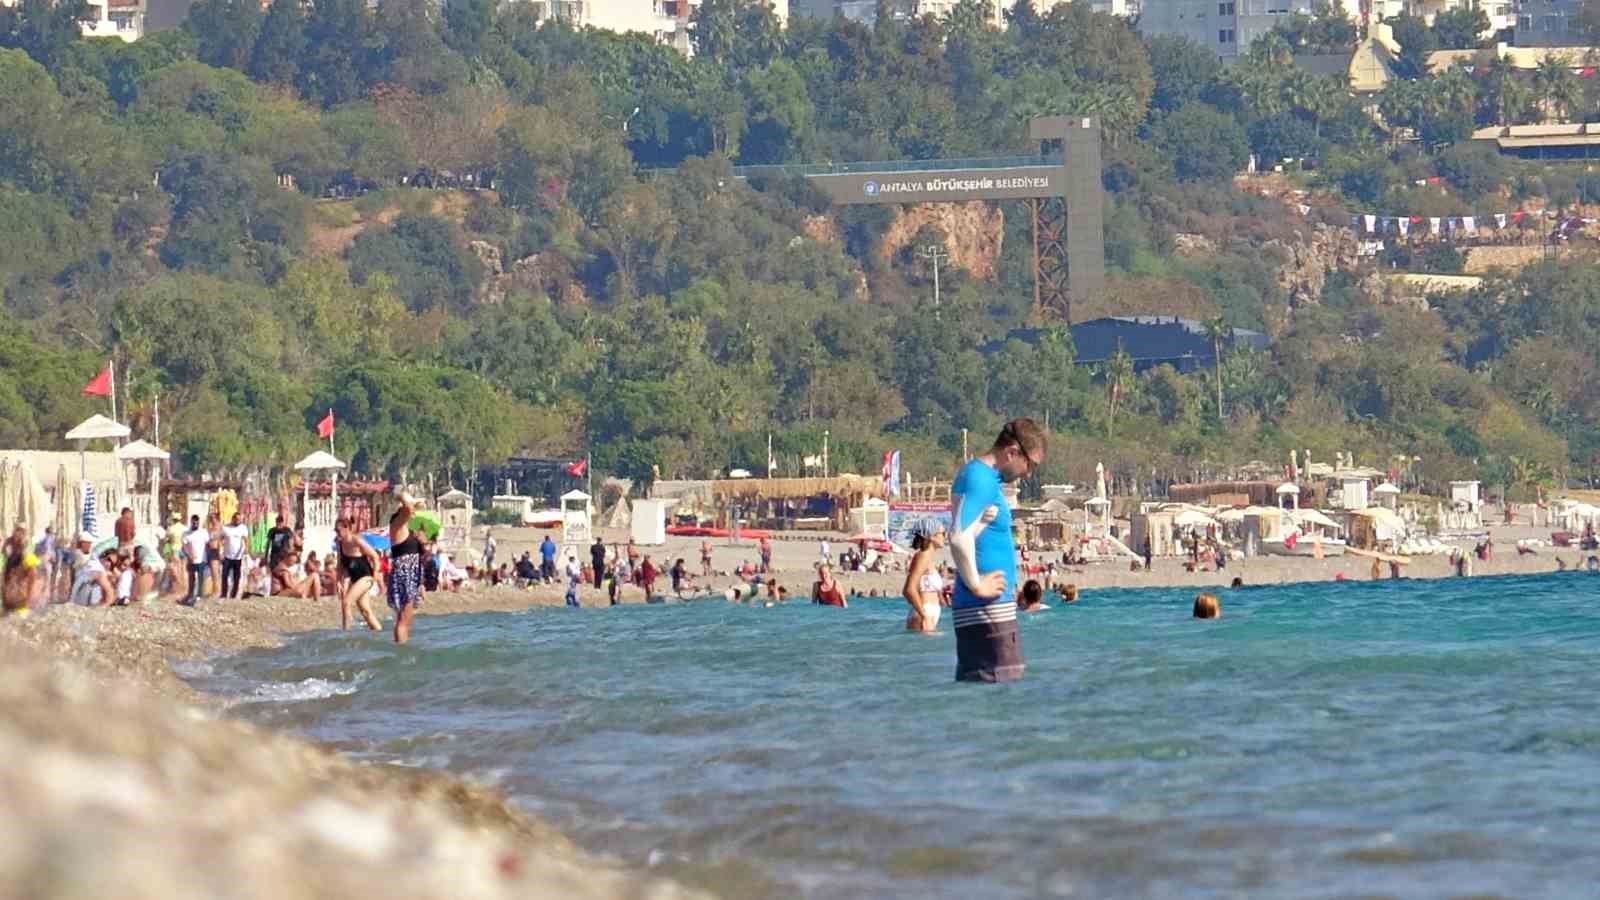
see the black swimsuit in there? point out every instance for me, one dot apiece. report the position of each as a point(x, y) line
point(355, 567)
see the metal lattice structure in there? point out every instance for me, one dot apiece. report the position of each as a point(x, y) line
point(1063, 192)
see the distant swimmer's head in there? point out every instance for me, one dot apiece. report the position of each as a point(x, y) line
point(1019, 450)
point(927, 533)
point(1069, 594)
point(1207, 606)
point(1032, 595)
point(1237, 582)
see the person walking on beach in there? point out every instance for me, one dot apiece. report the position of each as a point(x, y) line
point(824, 553)
point(597, 561)
point(705, 558)
point(988, 647)
point(766, 555)
point(359, 564)
point(488, 550)
point(647, 577)
point(195, 541)
point(924, 584)
point(235, 543)
point(405, 568)
point(574, 578)
point(547, 560)
point(1149, 555)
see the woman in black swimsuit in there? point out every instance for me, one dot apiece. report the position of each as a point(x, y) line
point(358, 569)
point(405, 568)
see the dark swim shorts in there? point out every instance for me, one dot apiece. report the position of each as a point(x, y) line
point(988, 651)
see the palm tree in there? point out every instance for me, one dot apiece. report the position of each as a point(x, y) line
point(1218, 330)
point(1118, 372)
point(1557, 89)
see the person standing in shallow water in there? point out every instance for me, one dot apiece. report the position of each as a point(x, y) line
point(984, 607)
point(405, 569)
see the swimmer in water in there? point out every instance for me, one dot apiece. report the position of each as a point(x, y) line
point(924, 584)
point(1031, 598)
point(1207, 606)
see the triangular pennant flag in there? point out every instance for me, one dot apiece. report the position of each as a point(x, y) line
point(1405, 226)
point(1469, 224)
point(1372, 222)
point(100, 385)
point(1499, 220)
point(1433, 224)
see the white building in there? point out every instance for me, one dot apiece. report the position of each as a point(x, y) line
point(1226, 26)
point(115, 18)
point(110, 18)
point(867, 10)
point(665, 20)
point(1502, 14)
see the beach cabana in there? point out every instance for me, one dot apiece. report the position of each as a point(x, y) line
point(144, 462)
point(1290, 494)
point(1374, 528)
point(1387, 496)
point(577, 519)
point(94, 428)
point(455, 519)
point(319, 514)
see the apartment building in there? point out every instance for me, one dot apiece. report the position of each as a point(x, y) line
point(123, 19)
point(867, 10)
point(1548, 23)
point(1226, 26)
point(665, 20)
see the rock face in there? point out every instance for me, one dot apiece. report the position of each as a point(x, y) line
point(1305, 262)
point(976, 233)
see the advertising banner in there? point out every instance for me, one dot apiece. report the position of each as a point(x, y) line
point(904, 515)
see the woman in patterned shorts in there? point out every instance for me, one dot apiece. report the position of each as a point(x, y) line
point(405, 568)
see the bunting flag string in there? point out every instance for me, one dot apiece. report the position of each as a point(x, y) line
point(1441, 226)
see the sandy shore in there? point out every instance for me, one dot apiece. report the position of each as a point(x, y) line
point(128, 782)
point(123, 782)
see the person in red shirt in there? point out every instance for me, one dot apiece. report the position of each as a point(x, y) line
point(647, 577)
point(826, 591)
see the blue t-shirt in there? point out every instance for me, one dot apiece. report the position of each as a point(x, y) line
point(976, 488)
point(548, 550)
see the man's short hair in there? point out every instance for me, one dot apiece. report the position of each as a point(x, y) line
point(1024, 434)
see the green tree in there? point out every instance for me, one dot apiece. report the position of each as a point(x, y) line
point(275, 58)
point(1460, 28)
point(335, 51)
point(1204, 144)
point(1118, 374)
point(740, 33)
point(225, 31)
point(1217, 331)
point(424, 257)
point(1557, 88)
point(44, 29)
point(1182, 70)
point(1416, 41)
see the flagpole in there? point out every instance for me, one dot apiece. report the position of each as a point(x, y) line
point(330, 436)
point(588, 470)
point(112, 367)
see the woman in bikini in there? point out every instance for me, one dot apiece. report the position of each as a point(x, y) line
point(924, 585)
point(405, 568)
point(358, 565)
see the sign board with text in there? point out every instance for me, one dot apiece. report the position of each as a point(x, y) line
point(1018, 183)
point(902, 516)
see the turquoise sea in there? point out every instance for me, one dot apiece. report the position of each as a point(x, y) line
point(1404, 738)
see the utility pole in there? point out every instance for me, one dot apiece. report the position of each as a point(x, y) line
point(935, 253)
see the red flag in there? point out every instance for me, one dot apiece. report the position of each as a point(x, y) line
point(577, 469)
point(100, 386)
point(325, 427)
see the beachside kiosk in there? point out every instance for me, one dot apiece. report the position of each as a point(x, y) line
point(320, 514)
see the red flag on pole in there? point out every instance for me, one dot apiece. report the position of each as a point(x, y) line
point(577, 469)
point(100, 386)
point(325, 427)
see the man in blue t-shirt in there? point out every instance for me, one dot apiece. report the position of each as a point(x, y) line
point(984, 604)
point(547, 560)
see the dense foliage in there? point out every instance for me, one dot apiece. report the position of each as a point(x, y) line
point(184, 203)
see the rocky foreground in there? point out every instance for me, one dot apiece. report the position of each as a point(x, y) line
point(117, 783)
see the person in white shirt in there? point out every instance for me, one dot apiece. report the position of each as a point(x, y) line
point(827, 552)
point(93, 587)
point(235, 541)
point(194, 551)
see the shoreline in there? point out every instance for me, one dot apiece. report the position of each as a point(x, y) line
point(134, 784)
point(97, 691)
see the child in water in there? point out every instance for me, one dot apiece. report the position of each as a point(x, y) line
point(1207, 606)
point(1032, 597)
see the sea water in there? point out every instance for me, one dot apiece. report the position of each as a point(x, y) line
point(1413, 738)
